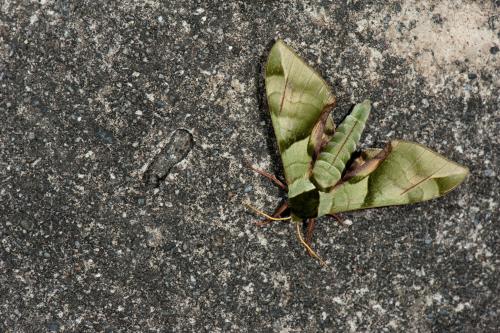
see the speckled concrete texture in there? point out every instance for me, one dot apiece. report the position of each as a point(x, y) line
point(125, 126)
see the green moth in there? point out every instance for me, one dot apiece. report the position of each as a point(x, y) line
point(323, 176)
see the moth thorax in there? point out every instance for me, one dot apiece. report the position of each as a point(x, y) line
point(305, 205)
point(303, 198)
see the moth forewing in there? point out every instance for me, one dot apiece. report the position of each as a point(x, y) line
point(297, 98)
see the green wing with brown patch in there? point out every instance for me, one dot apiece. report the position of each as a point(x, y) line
point(403, 173)
point(299, 102)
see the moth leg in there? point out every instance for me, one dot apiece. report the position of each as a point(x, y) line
point(268, 176)
point(277, 213)
point(311, 223)
point(309, 250)
point(339, 220)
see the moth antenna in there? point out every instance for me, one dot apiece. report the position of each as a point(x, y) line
point(265, 215)
point(308, 248)
point(277, 213)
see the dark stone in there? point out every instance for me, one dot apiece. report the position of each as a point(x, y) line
point(53, 326)
point(27, 224)
point(437, 19)
point(104, 135)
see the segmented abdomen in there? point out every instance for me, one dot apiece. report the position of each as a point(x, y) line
point(332, 160)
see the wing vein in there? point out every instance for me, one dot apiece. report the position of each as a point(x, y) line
point(423, 180)
point(347, 137)
point(283, 95)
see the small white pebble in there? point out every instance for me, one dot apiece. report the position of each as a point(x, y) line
point(347, 222)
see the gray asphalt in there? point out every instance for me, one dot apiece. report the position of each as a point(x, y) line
point(124, 131)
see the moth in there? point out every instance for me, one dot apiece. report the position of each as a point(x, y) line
point(324, 175)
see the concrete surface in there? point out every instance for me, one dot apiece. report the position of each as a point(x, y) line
point(124, 128)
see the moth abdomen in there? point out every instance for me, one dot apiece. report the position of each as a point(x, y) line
point(332, 160)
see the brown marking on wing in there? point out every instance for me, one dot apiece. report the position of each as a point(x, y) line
point(283, 95)
point(421, 181)
point(370, 165)
point(318, 131)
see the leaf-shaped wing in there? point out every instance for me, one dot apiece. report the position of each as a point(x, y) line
point(332, 160)
point(297, 97)
point(409, 173)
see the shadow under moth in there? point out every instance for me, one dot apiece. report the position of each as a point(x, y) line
point(323, 177)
